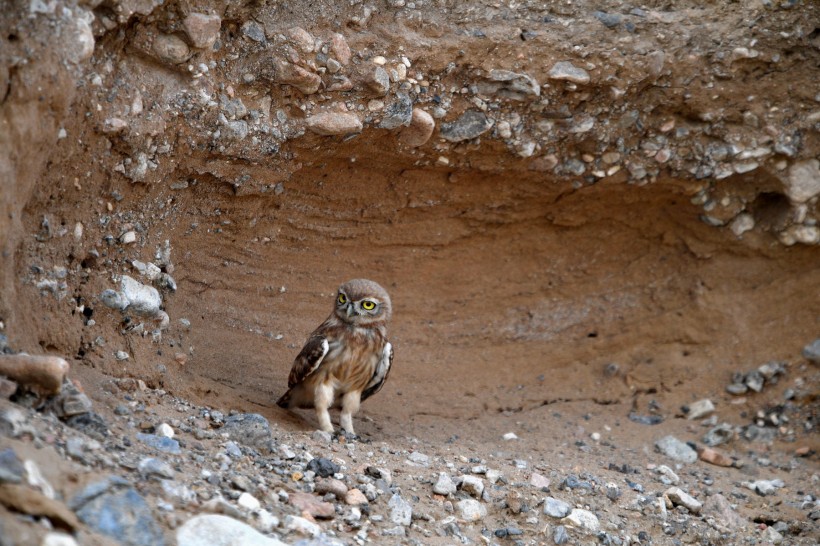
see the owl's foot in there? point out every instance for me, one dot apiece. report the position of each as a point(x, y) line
point(343, 436)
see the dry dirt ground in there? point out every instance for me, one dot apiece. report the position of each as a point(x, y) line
point(583, 258)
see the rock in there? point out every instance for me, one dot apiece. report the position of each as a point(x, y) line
point(339, 49)
point(678, 497)
point(812, 351)
point(471, 124)
point(677, 450)
point(311, 505)
point(58, 539)
point(301, 39)
point(669, 476)
point(444, 485)
point(473, 486)
point(249, 502)
point(165, 430)
point(11, 468)
point(513, 85)
point(7, 388)
point(737, 389)
point(120, 513)
point(560, 536)
point(715, 457)
point(334, 123)
point(12, 421)
point(540, 482)
point(419, 459)
point(354, 497)
point(23, 499)
point(171, 49)
point(700, 409)
point(401, 511)
point(140, 299)
point(250, 429)
point(582, 519)
point(471, 510)
point(41, 373)
point(304, 80)
point(302, 526)
point(218, 530)
point(771, 536)
point(166, 445)
point(612, 491)
point(331, 485)
point(564, 70)
point(803, 181)
point(722, 510)
point(764, 488)
point(398, 114)
point(556, 508)
point(755, 380)
point(378, 81)
point(151, 467)
point(742, 223)
point(609, 20)
point(718, 435)
point(202, 29)
point(323, 467)
point(321, 436)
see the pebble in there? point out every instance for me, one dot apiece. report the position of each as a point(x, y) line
point(609, 20)
point(340, 49)
point(540, 482)
point(322, 436)
point(700, 409)
point(715, 457)
point(582, 519)
point(471, 124)
point(669, 476)
point(202, 29)
point(742, 223)
point(723, 512)
point(42, 373)
point(444, 485)
point(166, 445)
point(334, 123)
point(473, 486)
point(803, 181)
point(772, 536)
point(401, 511)
point(164, 429)
point(560, 536)
point(378, 81)
point(250, 429)
point(58, 539)
point(11, 468)
point(419, 459)
point(556, 508)
point(398, 114)
point(219, 530)
point(171, 49)
point(812, 351)
point(515, 86)
point(679, 497)
point(302, 526)
point(564, 70)
point(151, 467)
point(764, 488)
point(248, 501)
point(354, 497)
point(331, 485)
point(120, 513)
point(509, 436)
point(305, 81)
point(471, 510)
point(322, 467)
point(677, 450)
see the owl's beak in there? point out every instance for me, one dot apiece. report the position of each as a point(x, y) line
point(350, 310)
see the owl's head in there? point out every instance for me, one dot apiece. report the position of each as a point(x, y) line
point(362, 302)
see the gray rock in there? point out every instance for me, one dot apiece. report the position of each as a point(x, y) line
point(166, 445)
point(444, 485)
point(12, 421)
point(151, 467)
point(803, 182)
point(120, 513)
point(737, 389)
point(609, 20)
point(250, 429)
point(471, 510)
point(512, 85)
point(471, 124)
point(322, 437)
point(772, 536)
point(302, 526)
point(556, 508)
point(419, 459)
point(219, 530)
point(680, 498)
point(722, 510)
point(254, 31)
point(764, 488)
point(378, 81)
point(755, 380)
point(564, 70)
point(398, 114)
point(11, 468)
point(677, 450)
point(401, 511)
point(812, 351)
point(142, 300)
point(234, 130)
point(560, 536)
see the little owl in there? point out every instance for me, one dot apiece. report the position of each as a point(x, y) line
point(346, 359)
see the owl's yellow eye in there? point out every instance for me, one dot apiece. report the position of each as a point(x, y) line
point(368, 305)
point(342, 298)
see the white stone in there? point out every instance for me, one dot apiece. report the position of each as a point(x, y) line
point(742, 223)
point(471, 510)
point(128, 237)
point(165, 430)
point(701, 408)
point(803, 181)
point(680, 497)
point(302, 526)
point(510, 436)
point(472, 485)
point(493, 475)
point(219, 530)
point(58, 539)
point(582, 519)
point(246, 500)
point(401, 512)
point(669, 474)
point(444, 485)
point(564, 70)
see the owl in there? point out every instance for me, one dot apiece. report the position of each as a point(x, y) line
point(346, 359)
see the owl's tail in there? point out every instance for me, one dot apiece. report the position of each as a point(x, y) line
point(284, 401)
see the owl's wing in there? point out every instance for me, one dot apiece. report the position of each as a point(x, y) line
point(308, 359)
point(381, 373)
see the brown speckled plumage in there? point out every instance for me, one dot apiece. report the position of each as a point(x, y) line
point(347, 358)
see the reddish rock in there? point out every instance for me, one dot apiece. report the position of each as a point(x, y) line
point(334, 123)
point(340, 49)
point(420, 129)
point(311, 505)
point(715, 457)
point(354, 497)
point(202, 29)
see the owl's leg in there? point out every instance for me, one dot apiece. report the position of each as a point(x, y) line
point(322, 399)
point(350, 405)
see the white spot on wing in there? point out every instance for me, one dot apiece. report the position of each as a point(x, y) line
point(325, 349)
